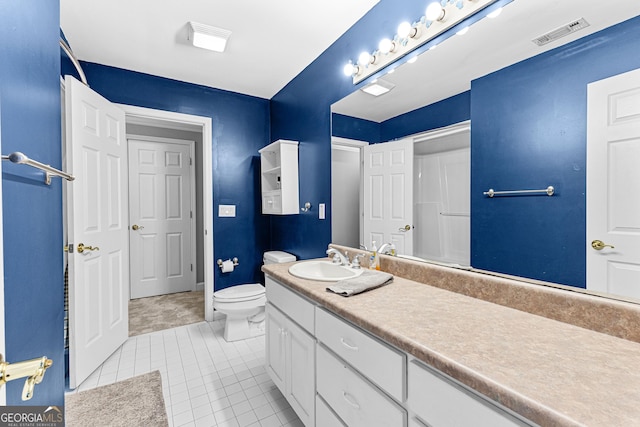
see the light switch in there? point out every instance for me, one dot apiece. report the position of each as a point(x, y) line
point(226, 211)
point(321, 211)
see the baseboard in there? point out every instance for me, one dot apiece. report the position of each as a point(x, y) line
point(200, 287)
point(217, 315)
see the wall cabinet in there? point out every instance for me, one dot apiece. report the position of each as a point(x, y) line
point(279, 178)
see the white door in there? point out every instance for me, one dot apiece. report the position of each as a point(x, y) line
point(161, 181)
point(96, 202)
point(388, 194)
point(613, 185)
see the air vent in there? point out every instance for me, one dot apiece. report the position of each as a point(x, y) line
point(558, 33)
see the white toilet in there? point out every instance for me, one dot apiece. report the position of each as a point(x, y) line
point(244, 304)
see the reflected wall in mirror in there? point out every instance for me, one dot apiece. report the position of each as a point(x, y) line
point(527, 108)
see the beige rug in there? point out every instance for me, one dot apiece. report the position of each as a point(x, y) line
point(165, 311)
point(137, 401)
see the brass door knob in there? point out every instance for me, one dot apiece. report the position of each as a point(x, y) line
point(405, 228)
point(137, 227)
point(599, 245)
point(81, 248)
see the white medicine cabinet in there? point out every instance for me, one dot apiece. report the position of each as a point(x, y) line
point(279, 178)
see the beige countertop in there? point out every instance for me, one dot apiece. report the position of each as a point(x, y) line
point(550, 372)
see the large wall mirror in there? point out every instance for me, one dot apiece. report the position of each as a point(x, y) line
point(494, 109)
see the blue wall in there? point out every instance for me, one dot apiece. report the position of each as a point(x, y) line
point(529, 131)
point(240, 128)
point(355, 128)
point(32, 211)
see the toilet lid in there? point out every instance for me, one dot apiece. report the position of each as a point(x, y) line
point(239, 292)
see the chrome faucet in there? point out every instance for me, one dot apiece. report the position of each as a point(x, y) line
point(387, 249)
point(337, 257)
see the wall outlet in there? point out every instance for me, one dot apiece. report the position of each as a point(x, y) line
point(321, 214)
point(226, 211)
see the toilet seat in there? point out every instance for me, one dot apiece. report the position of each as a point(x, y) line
point(240, 293)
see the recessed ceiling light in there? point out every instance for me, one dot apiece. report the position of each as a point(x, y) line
point(208, 37)
point(379, 87)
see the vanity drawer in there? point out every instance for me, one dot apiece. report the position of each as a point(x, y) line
point(291, 304)
point(376, 360)
point(356, 401)
point(439, 402)
point(325, 417)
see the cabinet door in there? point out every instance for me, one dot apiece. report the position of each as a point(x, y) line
point(301, 362)
point(275, 360)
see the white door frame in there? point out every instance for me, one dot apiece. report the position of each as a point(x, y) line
point(168, 119)
point(337, 142)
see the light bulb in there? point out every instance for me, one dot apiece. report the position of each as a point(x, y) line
point(386, 46)
point(495, 13)
point(404, 30)
point(463, 31)
point(434, 12)
point(349, 69)
point(364, 59)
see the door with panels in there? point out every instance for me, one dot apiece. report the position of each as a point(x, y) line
point(613, 185)
point(161, 200)
point(388, 194)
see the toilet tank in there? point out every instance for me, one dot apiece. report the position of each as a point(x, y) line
point(277, 257)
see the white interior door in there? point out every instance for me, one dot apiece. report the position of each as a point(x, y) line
point(96, 203)
point(388, 194)
point(613, 185)
point(161, 187)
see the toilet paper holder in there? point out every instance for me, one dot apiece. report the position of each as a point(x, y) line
point(235, 262)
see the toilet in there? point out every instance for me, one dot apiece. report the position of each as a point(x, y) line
point(243, 305)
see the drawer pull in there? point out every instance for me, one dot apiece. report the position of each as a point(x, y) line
point(349, 346)
point(350, 400)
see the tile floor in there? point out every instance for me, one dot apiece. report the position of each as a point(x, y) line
point(206, 381)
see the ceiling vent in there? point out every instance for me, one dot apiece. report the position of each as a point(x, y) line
point(558, 33)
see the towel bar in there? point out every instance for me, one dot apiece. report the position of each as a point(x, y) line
point(548, 191)
point(49, 171)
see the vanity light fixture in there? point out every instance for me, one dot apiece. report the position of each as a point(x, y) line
point(378, 87)
point(208, 37)
point(411, 36)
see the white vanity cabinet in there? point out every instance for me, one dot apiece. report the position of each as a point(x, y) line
point(279, 178)
point(290, 355)
point(334, 373)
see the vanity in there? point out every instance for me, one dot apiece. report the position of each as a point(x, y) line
point(440, 347)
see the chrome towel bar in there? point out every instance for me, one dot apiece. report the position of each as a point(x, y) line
point(548, 191)
point(49, 171)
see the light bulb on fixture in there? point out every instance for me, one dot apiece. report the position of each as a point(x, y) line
point(365, 59)
point(350, 69)
point(495, 13)
point(406, 30)
point(386, 45)
point(434, 12)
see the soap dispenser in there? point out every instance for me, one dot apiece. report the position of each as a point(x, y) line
point(374, 260)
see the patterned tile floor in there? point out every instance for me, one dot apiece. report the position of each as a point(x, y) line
point(206, 381)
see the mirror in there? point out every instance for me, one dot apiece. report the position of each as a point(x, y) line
point(437, 91)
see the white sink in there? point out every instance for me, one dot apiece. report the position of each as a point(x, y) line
point(324, 271)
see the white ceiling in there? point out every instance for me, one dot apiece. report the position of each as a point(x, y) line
point(271, 41)
point(490, 45)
